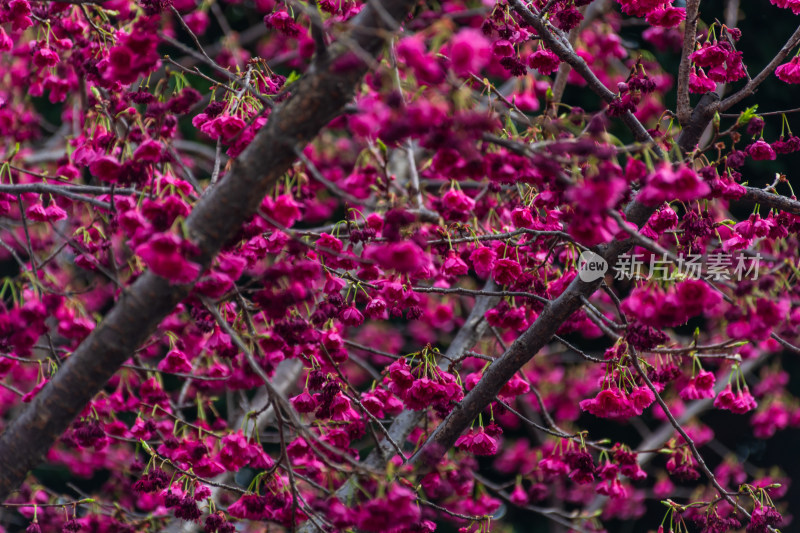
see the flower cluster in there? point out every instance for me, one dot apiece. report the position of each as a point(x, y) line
point(334, 282)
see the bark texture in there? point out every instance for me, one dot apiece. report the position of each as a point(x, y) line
point(317, 98)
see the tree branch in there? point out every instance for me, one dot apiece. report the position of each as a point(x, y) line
point(689, 39)
point(316, 99)
point(472, 330)
point(559, 310)
point(563, 49)
point(769, 199)
point(751, 86)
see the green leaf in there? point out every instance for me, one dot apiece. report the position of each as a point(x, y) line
point(293, 77)
point(746, 115)
point(382, 146)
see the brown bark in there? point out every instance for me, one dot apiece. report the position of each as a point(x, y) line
point(781, 203)
point(547, 324)
point(315, 100)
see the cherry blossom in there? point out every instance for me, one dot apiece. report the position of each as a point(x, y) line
point(272, 267)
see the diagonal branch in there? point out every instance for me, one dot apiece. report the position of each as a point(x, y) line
point(563, 49)
point(689, 40)
point(753, 84)
point(723, 493)
point(559, 310)
point(782, 203)
point(316, 99)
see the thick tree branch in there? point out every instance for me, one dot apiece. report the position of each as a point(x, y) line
point(689, 40)
point(558, 311)
point(782, 203)
point(553, 315)
point(316, 99)
point(753, 84)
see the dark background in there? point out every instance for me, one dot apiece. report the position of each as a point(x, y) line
point(765, 29)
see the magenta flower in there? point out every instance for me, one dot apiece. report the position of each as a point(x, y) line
point(653, 307)
point(789, 72)
point(478, 442)
point(6, 43)
point(794, 5)
point(608, 471)
point(51, 213)
point(553, 466)
point(454, 265)
point(224, 127)
point(612, 488)
point(29, 396)
point(175, 361)
point(149, 151)
point(640, 8)
point(700, 83)
point(695, 296)
point(134, 55)
point(470, 52)
point(163, 254)
point(483, 260)
point(397, 511)
point(666, 184)
point(400, 374)
point(763, 518)
point(740, 402)
point(106, 168)
point(518, 496)
point(683, 467)
point(413, 52)
point(250, 507)
point(235, 453)
point(709, 55)
point(761, 151)
point(545, 61)
point(609, 403)
point(45, 57)
point(404, 257)
point(700, 386)
point(514, 387)
point(567, 17)
point(506, 271)
point(500, 48)
point(667, 17)
point(351, 316)
point(456, 201)
point(641, 398)
point(376, 308)
point(283, 22)
point(304, 402)
point(373, 404)
point(663, 219)
point(771, 420)
point(421, 393)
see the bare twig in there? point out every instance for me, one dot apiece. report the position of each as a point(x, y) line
point(753, 84)
point(689, 40)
